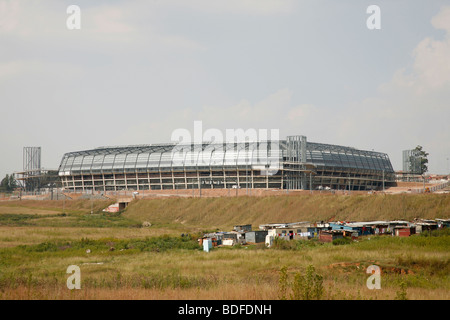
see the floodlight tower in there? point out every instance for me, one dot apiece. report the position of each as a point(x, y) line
point(32, 167)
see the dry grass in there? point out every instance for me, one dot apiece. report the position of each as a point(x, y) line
point(24, 210)
point(223, 213)
point(225, 273)
point(52, 206)
point(14, 236)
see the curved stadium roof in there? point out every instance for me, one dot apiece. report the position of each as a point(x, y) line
point(164, 156)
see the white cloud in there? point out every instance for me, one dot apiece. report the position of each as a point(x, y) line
point(430, 70)
point(442, 19)
point(412, 108)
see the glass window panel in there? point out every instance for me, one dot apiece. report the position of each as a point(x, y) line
point(119, 161)
point(366, 162)
point(130, 161)
point(191, 158)
point(379, 164)
point(261, 154)
point(77, 163)
point(204, 158)
point(217, 157)
point(87, 163)
point(108, 162)
point(97, 162)
point(243, 157)
point(230, 157)
point(153, 161)
point(142, 160)
point(69, 163)
point(166, 160)
point(63, 165)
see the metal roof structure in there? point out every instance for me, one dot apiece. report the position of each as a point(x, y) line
point(292, 163)
point(143, 157)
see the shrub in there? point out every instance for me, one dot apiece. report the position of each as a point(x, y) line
point(304, 287)
point(309, 286)
point(283, 283)
point(401, 293)
point(342, 241)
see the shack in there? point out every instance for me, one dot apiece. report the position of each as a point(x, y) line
point(256, 236)
point(330, 235)
point(351, 228)
point(243, 228)
point(426, 225)
point(290, 233)
point(443, 223)
point(212, 242)
point(404, 231)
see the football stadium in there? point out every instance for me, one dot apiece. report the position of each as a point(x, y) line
point(291, 164)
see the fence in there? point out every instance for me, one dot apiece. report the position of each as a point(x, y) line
point(439, 186)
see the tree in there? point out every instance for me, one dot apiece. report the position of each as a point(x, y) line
point(419, 160)
point(8, 183)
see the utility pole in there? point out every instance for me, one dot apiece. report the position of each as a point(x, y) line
point(349, 184)
point(92, 204)
point(310, 183)
point(246, 177)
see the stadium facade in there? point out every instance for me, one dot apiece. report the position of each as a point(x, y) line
point(292, 163)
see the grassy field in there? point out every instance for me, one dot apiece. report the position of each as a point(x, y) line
point(120, 259)
point(224, 213)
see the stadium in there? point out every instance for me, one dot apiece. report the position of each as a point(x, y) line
point(291, 164)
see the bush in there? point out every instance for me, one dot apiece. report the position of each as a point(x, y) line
point(401, 293)
point(283, 283)
point(282, 244)
point(304, 287)
point(436, 233)
point(342, 241)
point(309, 286)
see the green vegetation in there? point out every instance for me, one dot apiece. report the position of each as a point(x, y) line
point(98, 220)
point(224, 213)
point(342, 241)
point(422, 156)
point(8, 183)
point(120, 259)
point(401, 293)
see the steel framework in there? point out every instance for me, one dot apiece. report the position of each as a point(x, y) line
point(299, 165)
point(31, 168)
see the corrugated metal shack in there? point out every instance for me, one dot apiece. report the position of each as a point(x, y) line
point(425, 225)
point(256, 236)
point(404, 231)
point(298, 233)
point(349, 229)
point(243, 228)
point(325, 232)
point(443, 223)
point(330, 235)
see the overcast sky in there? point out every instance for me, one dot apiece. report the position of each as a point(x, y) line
point(138, 70)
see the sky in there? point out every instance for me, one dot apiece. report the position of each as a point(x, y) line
point(135, 71)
